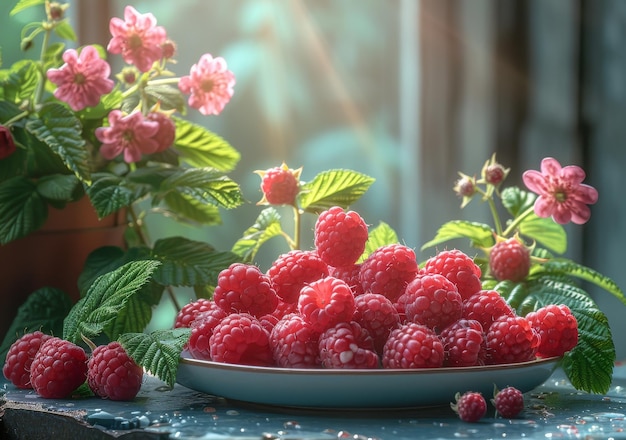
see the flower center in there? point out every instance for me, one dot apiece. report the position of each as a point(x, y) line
point(79, 79)
point(135, 41)
point(207, 85)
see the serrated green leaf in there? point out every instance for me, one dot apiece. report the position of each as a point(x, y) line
point(189, 263)
point(25, 4)
point(60, 187)
point(158, 352)
point(266, 226)
point(200, 147)
point(168, 97)
point(184, 208)
point(205, 185)
point(109, 194)
point(333, 188)
point(381, 235)
point(479, 234)
point(516, 200)
point(21, 81)
point(137, 313)
point(105, 299)
point(22, 209)
point(545, 231)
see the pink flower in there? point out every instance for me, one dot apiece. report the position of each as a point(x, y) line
point(137, 38)
point(562, 194)
point(83, 79)
point(209, 85)
point(166, 133)
point(131, 134)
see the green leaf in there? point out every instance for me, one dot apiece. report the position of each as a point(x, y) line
point(109, 194)
point(43, 310)
point(381, 235)
point(21, 82)
point(65, 31)
point(333, 188)
point(516, 201)
point(61, 187)
point(200, 147)
point(205, 185)
point(22, 209)
point(479, 234)
point(189, 263)
point(266, 226)
point(545, 231)
point(168, 97)
point(25, 4)
point(158, 352)
point(105, 299)
point(181, 208)
point(137, 313)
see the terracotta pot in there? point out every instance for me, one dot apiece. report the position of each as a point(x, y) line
point(54, 255)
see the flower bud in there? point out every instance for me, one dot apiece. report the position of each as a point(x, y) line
point(7, 145)
point(465, 186)
point(168, 49)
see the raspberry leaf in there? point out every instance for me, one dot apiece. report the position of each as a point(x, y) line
point(333, 188)
point(545, 231)
point(22, 209)
point(480, 235)
point(266, 226)
point(516, 201)
point(204, 185)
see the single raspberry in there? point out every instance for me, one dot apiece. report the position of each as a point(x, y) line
point(509, 402)
point(347, 345)
point(20, 356)
point(376, 314)
point(557, 327)
point(280, 185)
point(459, 268)
point(464, 343)
point(59, 367)
point(243, 288)
point(291, 271)
point(413, 345)
point(113, 374)
point(432, 300)
point(350, 274)
point(294, 343)
point(471, 406)
point(509, 260)
point(326, 302)
point(240, 339)
point(340, 236)
point(190, 311)
point(485, 307)
point(202, 329)
point(511, 339)
point(388, 270)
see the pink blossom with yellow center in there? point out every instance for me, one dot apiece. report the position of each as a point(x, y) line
point(130, 134)
point(562, 194)
point(83, 79)
point(137, 38)
point(209, 85)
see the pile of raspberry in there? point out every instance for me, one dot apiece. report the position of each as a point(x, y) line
point(327, 308)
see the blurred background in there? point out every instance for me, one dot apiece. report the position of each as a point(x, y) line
point(409, 92)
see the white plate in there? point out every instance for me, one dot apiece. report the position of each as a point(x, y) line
point(353, 389)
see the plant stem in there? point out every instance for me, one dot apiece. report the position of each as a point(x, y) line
point(42, 56)
point(496, 217)
point(296, 226)
point(515, 223)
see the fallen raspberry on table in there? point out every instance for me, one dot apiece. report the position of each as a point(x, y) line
point(190, 311)
point(294, 343)
point(59, 367)
point(326, 302)
point(388, 270)
point(471, 406)
point(280, 185)
point(509, 402)
point(413, 345)
point(113, 374)
point(243, 288)
point(376, 314)
point(557, 328)
point(241, 339)
point(20, 357)
point(347, 345)
point(459, 268)
point(485, 307)
point(202, 330)
point(464, 343)
point(340, 236)
point(509, 260)
point(292, 270)
point(511, 339)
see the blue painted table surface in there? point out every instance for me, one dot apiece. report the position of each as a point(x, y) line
point(554, 410)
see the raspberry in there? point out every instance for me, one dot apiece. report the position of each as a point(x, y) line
point(464, 343)
point(291, 271)
point(340, 236)
point(243, 288)
point(509, 260)
point(240, 339)
point(459, 268)
point(201, 331)
point(284, 308)
point(350, 274)
point(432, 300)
point(347, 345)
point(20, 356)
point(509, 402)
point(413, 345)
point(294, 343)
point(388, 270)
point(113, 374)
point(485, 307)
point(471, 406)
point(59, 367)
point(280, 185)
point(376, 314)
point(326, 302)
point(190, 311)
point(557, 328)
point(511, 339)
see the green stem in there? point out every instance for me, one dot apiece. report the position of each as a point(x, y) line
point(496, 217)
point(296, 224)
point(42, 56)
point(15, 119)
point(515, 223)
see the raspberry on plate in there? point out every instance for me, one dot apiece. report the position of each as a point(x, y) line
point(243, 288)
point(509, 402)
point(326, 302)
point(485, 307)
point(292, 270)
point(59, 367)
point(509, 260)
point(347, 345)
point(464, 343)
point(459, 268)
point(511, 339)
point(20, 357)
point(190, 311)
point(113, 374)
point(557, 328)
point(388, 270)
point(294, 343)
point(340, 236)
point(201, 331)
point(376, 314)
point(240, 338)
point(413, 345)
point(471, 406)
